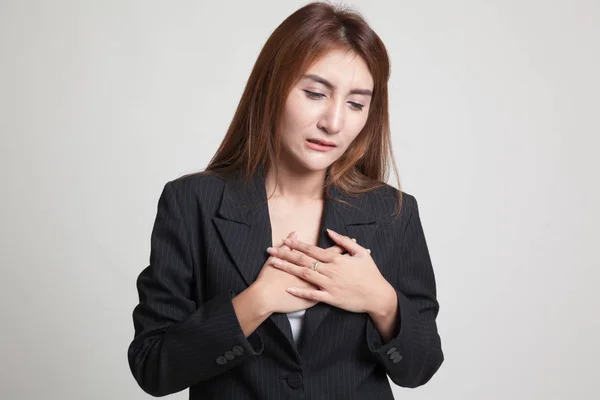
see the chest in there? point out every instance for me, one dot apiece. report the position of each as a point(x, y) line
point(305, 221)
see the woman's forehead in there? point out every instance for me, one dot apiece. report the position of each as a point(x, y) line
point(340, 69)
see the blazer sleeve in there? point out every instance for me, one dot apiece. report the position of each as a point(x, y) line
point(178, 342)
point(415, 354)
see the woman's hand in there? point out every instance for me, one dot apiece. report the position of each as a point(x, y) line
point(272, 284)
point(350, 281)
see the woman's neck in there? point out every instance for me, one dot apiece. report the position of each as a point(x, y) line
point(294, 185)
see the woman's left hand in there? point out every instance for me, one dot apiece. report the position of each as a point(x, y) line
point(348, 281)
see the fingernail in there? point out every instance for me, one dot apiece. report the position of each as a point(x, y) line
point(294, 235)
point(291, 290)
point(330, 231)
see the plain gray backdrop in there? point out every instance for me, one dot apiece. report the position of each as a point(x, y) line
point(495, 121)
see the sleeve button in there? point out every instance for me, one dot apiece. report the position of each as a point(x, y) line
point(238, 350)
point(221, 360)
point(396, 357)
point(229, 355)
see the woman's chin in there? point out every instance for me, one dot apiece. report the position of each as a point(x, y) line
point(317, 165)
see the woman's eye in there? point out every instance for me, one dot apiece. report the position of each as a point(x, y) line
point(314, 95)
point(318, 96)
point(357, 107)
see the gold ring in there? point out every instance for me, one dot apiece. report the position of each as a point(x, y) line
point(315, 266)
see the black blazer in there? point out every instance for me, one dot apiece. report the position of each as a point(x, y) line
point(208, 244)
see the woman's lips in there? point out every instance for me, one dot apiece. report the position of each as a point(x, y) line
point(319, 147)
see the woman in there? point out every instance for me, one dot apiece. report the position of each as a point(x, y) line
point(230, 310)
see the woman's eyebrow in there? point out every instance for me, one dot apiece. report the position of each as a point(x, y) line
point(331, 86)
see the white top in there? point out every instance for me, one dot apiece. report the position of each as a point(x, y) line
point(296, 318)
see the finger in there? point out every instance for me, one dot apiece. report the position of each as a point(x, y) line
point(280, 245)
point(307, 274)
point(295, 257)
point(336, 249)
point(301, 260)
point(315, 252)
point(291, 235)
point(346, 242)
point(310, 294)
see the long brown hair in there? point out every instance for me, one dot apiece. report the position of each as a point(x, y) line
point(299, 41)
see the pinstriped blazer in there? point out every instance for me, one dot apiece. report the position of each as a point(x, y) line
point(209, 243)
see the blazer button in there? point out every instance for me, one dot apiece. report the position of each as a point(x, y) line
point(238, 350)
point(294, 380)
point(221, 360)
point(229, 355)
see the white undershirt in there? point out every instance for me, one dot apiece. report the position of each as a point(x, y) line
point(296, 318)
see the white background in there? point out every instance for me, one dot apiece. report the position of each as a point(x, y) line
point(495, 120)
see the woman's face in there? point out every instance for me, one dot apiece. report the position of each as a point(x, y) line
point(330, 102)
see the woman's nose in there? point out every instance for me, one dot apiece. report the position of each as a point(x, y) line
point(332, 120)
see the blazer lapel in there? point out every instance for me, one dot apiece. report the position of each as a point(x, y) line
point(245, 227)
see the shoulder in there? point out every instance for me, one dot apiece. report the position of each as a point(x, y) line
point(386, 198)
point(196, 182)
point(381, 204)
point(192, 189)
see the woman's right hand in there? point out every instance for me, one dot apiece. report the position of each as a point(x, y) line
point(273, 282)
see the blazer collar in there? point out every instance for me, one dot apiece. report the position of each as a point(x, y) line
point(244, 225)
